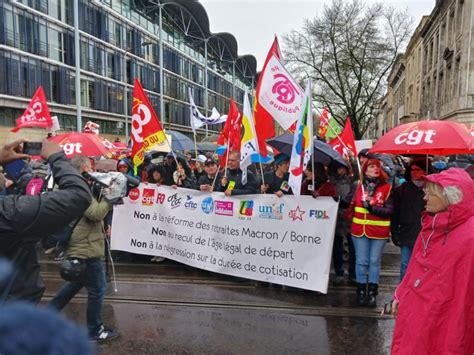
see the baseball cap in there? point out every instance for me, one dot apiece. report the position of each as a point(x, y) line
point(210, 161)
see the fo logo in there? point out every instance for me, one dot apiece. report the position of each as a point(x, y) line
point(284, 88)
point(207, 205)
point(134, 195)
point(148, 197)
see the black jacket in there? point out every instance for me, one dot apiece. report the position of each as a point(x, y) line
point(240, 189)
point(406, 218)
point(28, 218)
point(24, 220)
point(206, 180)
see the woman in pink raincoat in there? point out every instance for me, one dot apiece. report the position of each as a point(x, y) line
point(435, 301)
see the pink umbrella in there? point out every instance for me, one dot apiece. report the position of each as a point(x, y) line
point(433, 137)
point(88, 144)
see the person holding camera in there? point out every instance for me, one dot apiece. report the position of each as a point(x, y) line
point(84, 261)
point(24, 220)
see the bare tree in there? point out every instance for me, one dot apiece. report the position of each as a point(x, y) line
point(348, 51)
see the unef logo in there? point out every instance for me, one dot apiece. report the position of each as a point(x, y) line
point(415, 137)
point(318, 214)
point(134, 195)
point(148, 197)
point(246, 208)
point(273, 211)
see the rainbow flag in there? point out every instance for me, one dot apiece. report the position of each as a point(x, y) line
point(302, 143)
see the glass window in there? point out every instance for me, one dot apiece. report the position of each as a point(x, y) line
point(9, 28)
point(55, 45)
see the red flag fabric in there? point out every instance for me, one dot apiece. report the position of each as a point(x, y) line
point(345, 141)
point(146, 127)
point(232, 131)
point(324, 123)
point(264, 126)
point(36, 114)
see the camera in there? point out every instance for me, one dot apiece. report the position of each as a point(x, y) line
point(113, 186)
point(32, 148)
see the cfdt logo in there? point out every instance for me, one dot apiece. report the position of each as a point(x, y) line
point(190, 204)
point(246, 208)
point(148, 197)
point(207, 205)
point(224, 208)
point(174, 200)
point(273, 211)
point(134, 195)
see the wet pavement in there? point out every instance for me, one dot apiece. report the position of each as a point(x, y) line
point(177, 329)
point(169, 308)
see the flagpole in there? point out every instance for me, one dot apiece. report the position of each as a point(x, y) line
point(195, 145)
point(171, 150)
point(226, 162)
point(356, 159)
point(227, 156)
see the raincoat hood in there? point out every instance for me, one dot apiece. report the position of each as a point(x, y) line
point(460, 212)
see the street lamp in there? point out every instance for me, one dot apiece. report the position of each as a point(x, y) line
point(125, 81)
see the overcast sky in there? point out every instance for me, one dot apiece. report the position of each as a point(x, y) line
point(254, 22)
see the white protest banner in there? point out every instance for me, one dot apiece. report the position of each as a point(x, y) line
point(280, 95)
point(284, 240)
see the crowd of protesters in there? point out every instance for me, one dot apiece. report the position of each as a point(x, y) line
point(383, 199)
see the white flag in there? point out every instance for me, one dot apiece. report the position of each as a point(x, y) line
point(249, 145)
point(198, 119)
point(302, 143)
point(280, 95)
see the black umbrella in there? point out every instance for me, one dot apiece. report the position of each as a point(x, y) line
point(323, 153)
point(179, 141)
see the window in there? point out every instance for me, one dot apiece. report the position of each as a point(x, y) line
point(55, 45)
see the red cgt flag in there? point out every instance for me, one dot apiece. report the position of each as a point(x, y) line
point(324, 123)
point(232, 131)
point(36, 114)
point(345, 141)
point(264, 126)
point(146, 127)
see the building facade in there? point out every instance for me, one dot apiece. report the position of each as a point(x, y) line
point(435, 75)
point(120, 40)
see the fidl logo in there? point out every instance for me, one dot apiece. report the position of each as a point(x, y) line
point(148, 197)
point(318, 214)
point(246, 208)
point(207, 205)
